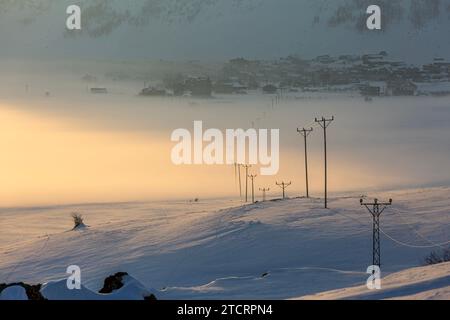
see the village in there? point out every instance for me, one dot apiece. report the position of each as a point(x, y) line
point(370, 75)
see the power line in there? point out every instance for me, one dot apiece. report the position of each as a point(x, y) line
point(305, 133)
point(399, 241)
point(324, 123)
point(283, 185)
point(412, 245)
point(376, 212)
point(434, 244)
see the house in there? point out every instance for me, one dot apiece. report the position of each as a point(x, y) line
point(401, 87)
point(153, 92)
point(325, 59)
point(370, 91)
point(270, 89)
point(228, 87)
point(438, 89)
point(199, 87)
point(373, 89)
point(99, 90)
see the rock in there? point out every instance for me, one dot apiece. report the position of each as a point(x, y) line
point(113, 282)
point(32, 291)
point(123, 285)
point(151, 297)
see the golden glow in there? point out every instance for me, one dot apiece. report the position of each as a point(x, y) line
point(50, 161)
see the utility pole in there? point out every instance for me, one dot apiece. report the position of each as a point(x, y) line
point(264, 190)
point(376, 212)
point(253, 176)
point(246, 167)
point(283, 186)
point(237, 174)
point(240, 184)
point(305, 133)
point(324, 123)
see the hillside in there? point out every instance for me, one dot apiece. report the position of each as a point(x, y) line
point(199, 29)
point(424, 283)
point(187, 250)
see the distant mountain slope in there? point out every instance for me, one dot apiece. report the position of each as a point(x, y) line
point(216, 29)
point(111, 14)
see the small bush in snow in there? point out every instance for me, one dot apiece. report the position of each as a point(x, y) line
point(436, 257)
point(77, 220)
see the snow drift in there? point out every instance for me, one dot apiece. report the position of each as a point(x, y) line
point(270, 250)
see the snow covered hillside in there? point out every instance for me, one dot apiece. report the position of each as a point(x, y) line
point(425, 283)
point(219, 249)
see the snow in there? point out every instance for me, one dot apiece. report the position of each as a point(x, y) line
point(433, 87)
point(219, 249)
point(132, 290)
point(14, 293)
point(425, 283)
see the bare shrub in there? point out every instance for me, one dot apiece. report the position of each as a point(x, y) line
point(436, 257)
point(77, 220)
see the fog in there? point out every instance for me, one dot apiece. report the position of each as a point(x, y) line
point(61, 144)
point(72, 146)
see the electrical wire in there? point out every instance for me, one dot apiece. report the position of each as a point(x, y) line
point(397, 213)
point(432, 244)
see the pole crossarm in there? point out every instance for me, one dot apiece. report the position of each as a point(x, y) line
point(305, 132)
point(283, 185)
point(324, 122)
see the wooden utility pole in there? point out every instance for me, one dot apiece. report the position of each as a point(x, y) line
point(264, 190)
point(305, 133)
point(246, 167)
point(324, 123)
point(253, 176)
point(237, 174)
point(240, 183)
point(283, 185)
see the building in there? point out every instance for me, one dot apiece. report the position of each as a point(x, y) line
point(99, 90)
point(370, 91)
point(270, 89)
point(401, 87)
point(199, 87)
point(229, 87)
point(153, 92)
